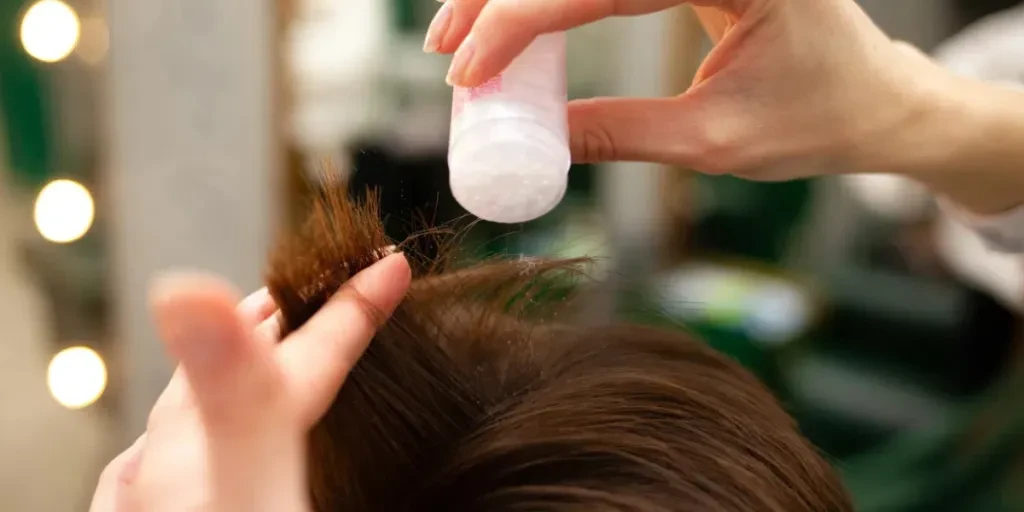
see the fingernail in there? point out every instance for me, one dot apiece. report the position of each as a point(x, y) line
point(251, 305)
point(438, 28)
point(460, 63)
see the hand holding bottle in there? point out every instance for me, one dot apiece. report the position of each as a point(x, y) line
point(793, 88)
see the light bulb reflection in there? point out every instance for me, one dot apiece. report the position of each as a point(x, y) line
point(50, 30)
point(76, 377)
point(64, 211)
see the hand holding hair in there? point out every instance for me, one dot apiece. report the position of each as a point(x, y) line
point(230, 430)
point(793, 88)
point(475, 395)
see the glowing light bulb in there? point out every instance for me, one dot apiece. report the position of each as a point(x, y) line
point(50, 30)
point(76, 377)
point(64, 211)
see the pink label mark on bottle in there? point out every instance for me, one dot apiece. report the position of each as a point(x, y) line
point(467, 95)
point(489, 87)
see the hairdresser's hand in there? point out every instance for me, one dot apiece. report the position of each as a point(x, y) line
point(793, 88)
point(229, 432)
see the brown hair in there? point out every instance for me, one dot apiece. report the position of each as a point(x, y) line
point(470, 398)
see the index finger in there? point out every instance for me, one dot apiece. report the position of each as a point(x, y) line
point(499, 30)
point(316, 358)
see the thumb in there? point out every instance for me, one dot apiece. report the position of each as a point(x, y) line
point(227, 371)
point(658, 130)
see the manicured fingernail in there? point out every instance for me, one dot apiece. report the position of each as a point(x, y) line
point(438, 28)
point(461, 62)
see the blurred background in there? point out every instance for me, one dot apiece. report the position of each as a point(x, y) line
point(141, 135)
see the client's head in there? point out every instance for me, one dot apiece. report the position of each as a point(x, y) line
point(471, 398)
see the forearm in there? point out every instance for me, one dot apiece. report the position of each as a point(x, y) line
point(963, 139)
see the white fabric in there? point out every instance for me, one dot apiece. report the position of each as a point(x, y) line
point(999, 273)
point(1003, 232)
point(985, 250)
point(991, 50)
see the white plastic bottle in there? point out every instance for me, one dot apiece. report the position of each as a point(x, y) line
point(508, 149)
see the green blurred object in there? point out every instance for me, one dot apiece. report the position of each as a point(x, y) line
point(405, 16)
point(757, 315)
point(24, 104)
point(747, 218)
point(938, 338)
point(973, 463)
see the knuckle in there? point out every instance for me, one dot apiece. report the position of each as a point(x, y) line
point(513, 13)
point(595, 144)
point(350, 320)
point(720, 150)
point(364, 309)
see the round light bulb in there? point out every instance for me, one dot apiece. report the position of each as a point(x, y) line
point(76, 377)
point(50, 30)
point(64, 211)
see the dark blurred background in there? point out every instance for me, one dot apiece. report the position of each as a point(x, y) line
point(142, 135)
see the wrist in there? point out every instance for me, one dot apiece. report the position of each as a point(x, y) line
point(962, 138)
point(977, 160)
